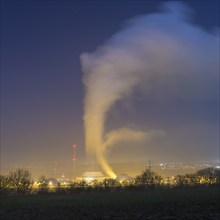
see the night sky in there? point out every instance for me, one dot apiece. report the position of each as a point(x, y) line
point(42, 90)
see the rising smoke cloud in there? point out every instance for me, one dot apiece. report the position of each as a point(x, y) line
point(154, 53)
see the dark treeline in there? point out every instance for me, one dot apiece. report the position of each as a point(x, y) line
point(19, 182)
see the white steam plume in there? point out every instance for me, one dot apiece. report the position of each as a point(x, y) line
point(152, 52)
point(128, 134)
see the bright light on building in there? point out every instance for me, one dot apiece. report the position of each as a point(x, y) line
point(89, 179)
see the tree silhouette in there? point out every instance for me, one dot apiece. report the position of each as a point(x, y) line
point(148, 178)
point(209, 175)
point(4, 184)
point(20, 180)
point(43, 187)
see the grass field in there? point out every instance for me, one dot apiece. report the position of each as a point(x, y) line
point(190, 203)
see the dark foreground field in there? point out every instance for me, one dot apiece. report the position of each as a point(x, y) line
point(200, 203)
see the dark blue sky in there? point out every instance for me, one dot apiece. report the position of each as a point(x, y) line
point(41, 81)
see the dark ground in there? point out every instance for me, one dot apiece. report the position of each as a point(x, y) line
point(190, 203)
